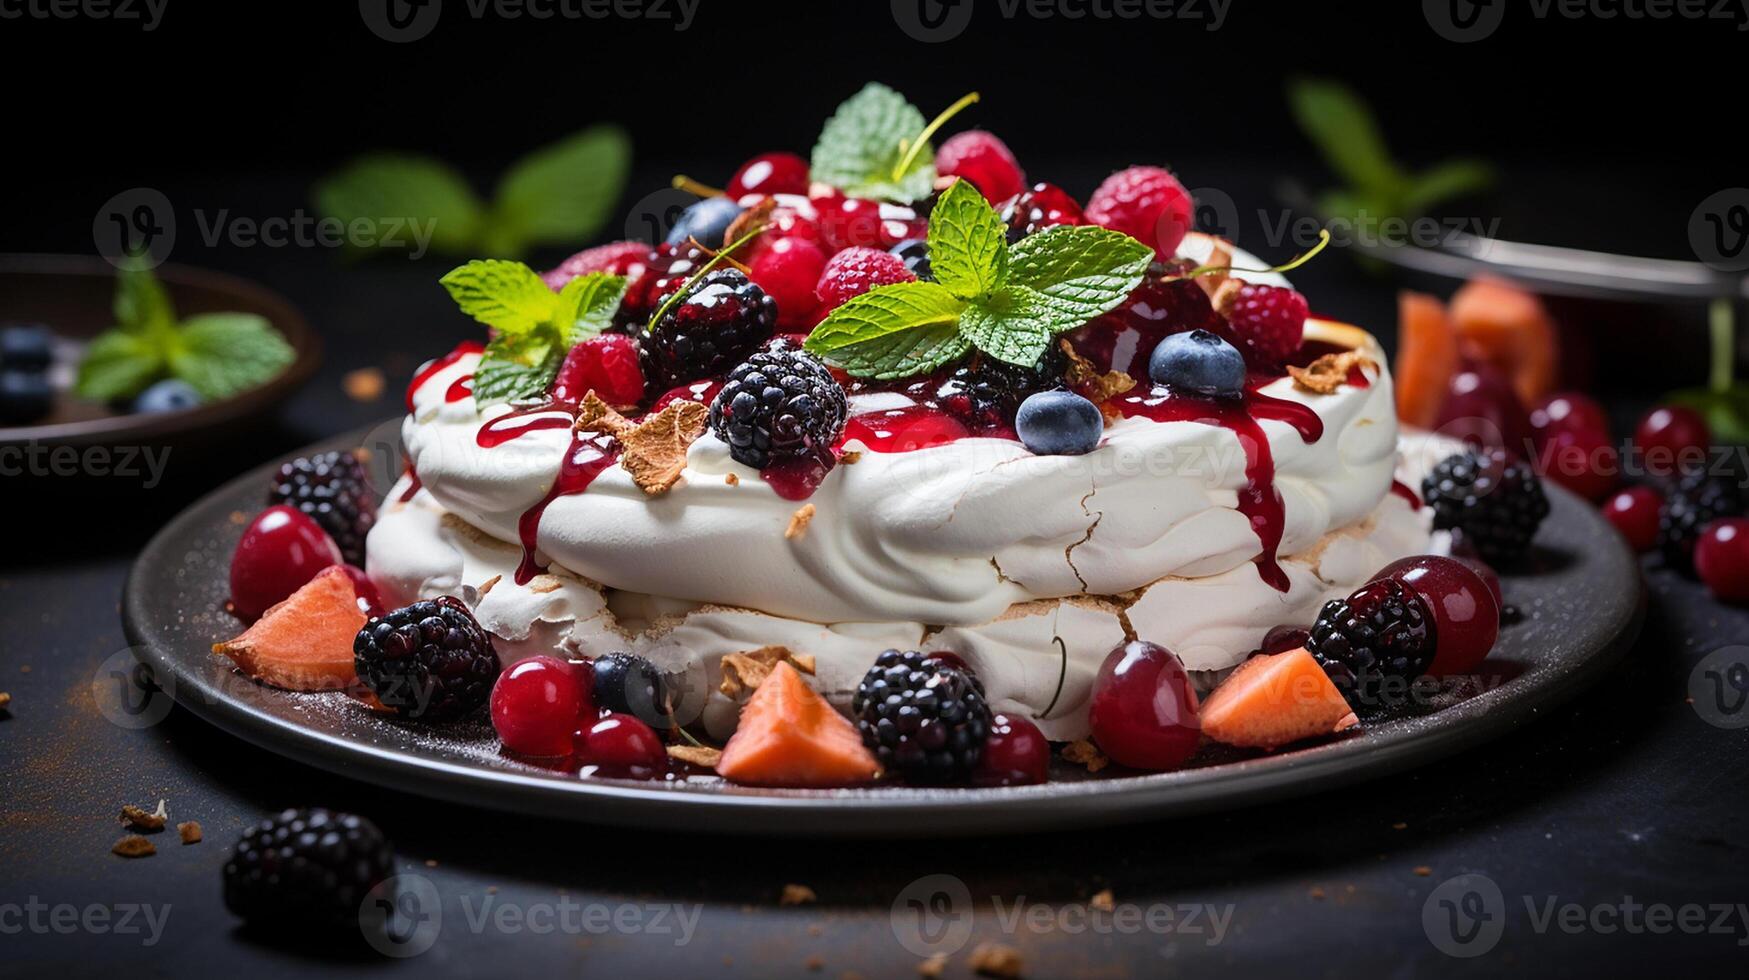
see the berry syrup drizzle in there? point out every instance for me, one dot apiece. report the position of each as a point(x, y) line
point(590, 453)
point(462, 350)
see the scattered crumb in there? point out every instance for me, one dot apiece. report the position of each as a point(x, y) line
point(794, 894)
point(1104, 901)
point(702, 756)
point(731, 479)
point(798, 522)
point(816, 929)
point(239, 518)
point(934, 966)
point(851, 458)
point(1399, 825)
point(134, 846)
point(491, 583)
point(815, 963)
point(1326, 374)
point(1087, 379)
point(363, 385)
point(1317, 894)
point(1087, 754)
point(138, 819)
point(431, 862)
point(491, 889)
point(996, 960)
point(744, 671)
point(24, 668)
point(1423, 871)
point(5, 700)
point(542, 584)
point(189, 831)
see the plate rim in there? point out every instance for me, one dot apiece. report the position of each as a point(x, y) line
point(860, 813)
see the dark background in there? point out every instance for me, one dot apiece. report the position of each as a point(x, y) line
point(1607, 134)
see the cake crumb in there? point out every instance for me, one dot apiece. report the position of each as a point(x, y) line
point(139, 819)
point(487, 586)
point(702, 756)
point(815, 963)
point(239, 518)
point(851, 457)
point(363, 385)
point(934, 966)
point(816, 929)
point(1084, 377)
point(1399, 825)
point(1104, 901)
point(996, 960)
point(1328, 373)
point(1317, 894)
point(1085, 753)
point(1423, 871)
point(189, 831)
point(134, 846)
point(745, 670)
point(798, 522)
point(5, 701)
point(731, 479)
point(431, 862)
point(794, 894)
point(542, 584)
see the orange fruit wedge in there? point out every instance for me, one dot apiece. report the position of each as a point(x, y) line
point(1509, 328)
point(789, 736)
point(1273, 700)
point(305, 642)
point(1427, 358)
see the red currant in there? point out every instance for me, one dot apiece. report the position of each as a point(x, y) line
point(621, 745)
point(1721, 556)
point(535, 706)
point(1634, 512)
point(606, 364)
point(1015, 754)
point(281, 550)
point(1672, 438)
point(1466, 615)
point(769, 173)
point(1144, 712)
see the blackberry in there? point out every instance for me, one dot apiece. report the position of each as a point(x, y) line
point(333, 490)
point(1374, 643)
point(429, 660)
point(1697, 499)
point(914, 252)
point(665, 272)
point(722, 319)
point(631, 685)
point(306, 869)
point(1495, 500)
point(986, 393)
point(923, 719)
point(778, 403)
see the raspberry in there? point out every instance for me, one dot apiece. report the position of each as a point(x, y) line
point(429, 660)
point(1380, 635)
point(306, 869)
point(778, 403)
point(984, 160)
point(1495, 500)
point(333, 490)
point(615, 258)
point(787, 271)
point(855, 271)
point(1043, 206)
point(1269, 322)
point(721, 320)
point(769, 173)
point(668, 269)
point(924, 720)
point(1145, 203)
point(606, 364)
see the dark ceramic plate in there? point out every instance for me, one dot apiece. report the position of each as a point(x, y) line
point(1581, 607)
point(73, 294)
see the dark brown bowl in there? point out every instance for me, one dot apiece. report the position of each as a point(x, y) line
point(73, 295)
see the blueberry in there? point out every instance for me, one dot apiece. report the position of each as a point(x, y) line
point(27, 347)
point(172, 395)
point(707, 221)
point(1198, 361)
point(1059, 423)
point(630, 684)
point(25, 396)
point(915, 253)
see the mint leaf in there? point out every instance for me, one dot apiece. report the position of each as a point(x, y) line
point(505, 295)
point(142, 306)
point(222, 354)
point(1079, 271)
point(386, 189)
point(1443, 182)
point(560, 193)
point(1726, 411)
point(892, 331)
point(118, 364)
point(865, 139)
point(968, 245)
point(1348, 136)
point(1013, 325)
point(516, 368)
point(587, 305)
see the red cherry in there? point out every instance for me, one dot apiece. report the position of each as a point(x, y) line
point(849, 221)
point(1721, 556)
point(1466, 615)
point(984, 160)
point(1489, 576)
point(535, 706)
point(1568, 411)
point(1144, 711)
point(1281, 639)
point(606, 364)
point(769, 173)
point(281, 550)
point(1043, 206)
point(704, 392)
point(370, 600)
point(621, 745)
point(1672, 438)
point(1015, 754)
point(1482, 409)
point(787, 270)
point(1582, 460)
point(1634, 512)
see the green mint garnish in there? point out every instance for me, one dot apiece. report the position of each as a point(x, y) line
point(218, 354)
point(535, 326)
point(557, 195)
point(1007, 301)
point(864, 143)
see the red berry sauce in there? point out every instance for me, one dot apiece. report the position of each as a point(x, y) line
point(424, 374)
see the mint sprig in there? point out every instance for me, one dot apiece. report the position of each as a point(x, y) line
point(557, 195)
point(218, 354)
point(1007, 301)
point(866, 148)
point(535, 327)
